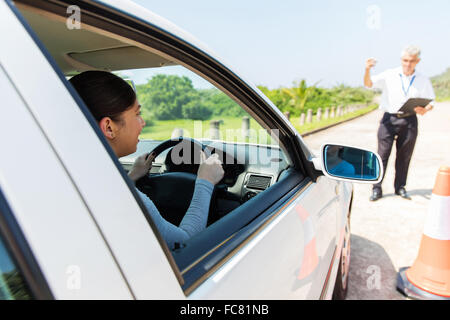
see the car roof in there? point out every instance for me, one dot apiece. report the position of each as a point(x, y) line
point(135, 10)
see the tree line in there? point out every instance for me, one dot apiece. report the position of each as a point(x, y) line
point(171, 97)
point(441, 85)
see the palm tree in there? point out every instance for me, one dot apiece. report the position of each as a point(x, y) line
point(299, 94)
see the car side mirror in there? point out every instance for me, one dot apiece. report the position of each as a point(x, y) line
point(349, 163)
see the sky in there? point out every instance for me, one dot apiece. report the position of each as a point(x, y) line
point(275, 43)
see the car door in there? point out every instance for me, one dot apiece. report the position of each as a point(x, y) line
point(289, 257)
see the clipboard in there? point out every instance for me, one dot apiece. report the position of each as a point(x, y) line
point(411, 103)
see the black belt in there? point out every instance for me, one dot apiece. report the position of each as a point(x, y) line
point(402, 115)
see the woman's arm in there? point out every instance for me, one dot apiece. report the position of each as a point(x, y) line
point(196, 216)
point(209, 173)
point(194, 220)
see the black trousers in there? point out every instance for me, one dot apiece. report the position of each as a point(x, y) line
point(404, 132)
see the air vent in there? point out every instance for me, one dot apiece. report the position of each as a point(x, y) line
point(258, 182)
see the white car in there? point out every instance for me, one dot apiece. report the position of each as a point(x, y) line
point(71, 223)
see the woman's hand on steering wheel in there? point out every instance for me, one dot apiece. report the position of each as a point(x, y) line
point(141, 166)
point(210, 168)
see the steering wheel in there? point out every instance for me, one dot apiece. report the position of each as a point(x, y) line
point(171, 192)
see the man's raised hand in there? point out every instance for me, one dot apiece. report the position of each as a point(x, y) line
point(370, 63)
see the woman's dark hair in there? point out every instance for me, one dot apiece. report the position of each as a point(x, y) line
point(104, 93)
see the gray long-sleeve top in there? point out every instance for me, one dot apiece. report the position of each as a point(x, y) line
point(193, 221)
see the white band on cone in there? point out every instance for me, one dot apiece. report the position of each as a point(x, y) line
point(437, 224)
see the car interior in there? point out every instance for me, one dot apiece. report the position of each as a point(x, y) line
point(251, 169)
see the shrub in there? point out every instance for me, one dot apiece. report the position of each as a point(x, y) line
point(196, 111)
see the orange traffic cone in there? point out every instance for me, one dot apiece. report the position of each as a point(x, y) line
point(429, 276)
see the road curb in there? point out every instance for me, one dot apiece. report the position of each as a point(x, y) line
point(335, 124)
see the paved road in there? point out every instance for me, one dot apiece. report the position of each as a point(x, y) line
point(386, 234)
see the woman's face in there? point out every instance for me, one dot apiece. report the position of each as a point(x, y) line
point(127, 131)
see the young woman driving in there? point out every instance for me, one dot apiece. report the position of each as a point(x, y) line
point(113, 103)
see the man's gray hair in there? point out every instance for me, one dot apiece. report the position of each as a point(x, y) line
point(411, 50)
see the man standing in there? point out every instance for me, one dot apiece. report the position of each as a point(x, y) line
point(398, 85)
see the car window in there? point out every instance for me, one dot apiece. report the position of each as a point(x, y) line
point(12, 284)
point(177, 102)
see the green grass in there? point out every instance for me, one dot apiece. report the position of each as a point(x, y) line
point(230, 129)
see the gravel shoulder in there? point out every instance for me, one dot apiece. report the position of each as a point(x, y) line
point(386, 234)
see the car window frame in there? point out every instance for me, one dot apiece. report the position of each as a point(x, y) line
point(105, 17)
